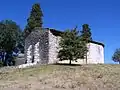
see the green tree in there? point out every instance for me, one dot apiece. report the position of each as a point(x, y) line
point(71, 46)
point(86, 33)
point(86, 36)
point(9, 36)
point(21, 41)
point(34, 20)
point(116, 55)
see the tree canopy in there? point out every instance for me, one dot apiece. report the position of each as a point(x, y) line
point(71, 46)
point(34, 20)
point(86, 36)
point(10, 36)
point(116, 55)
point(86, 33)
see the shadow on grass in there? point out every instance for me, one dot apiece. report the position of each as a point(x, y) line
point(64, 64)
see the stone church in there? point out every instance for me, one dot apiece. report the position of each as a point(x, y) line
point(42, 46)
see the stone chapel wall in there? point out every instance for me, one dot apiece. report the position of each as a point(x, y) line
point(53, 48)
point(42, 46)
point(36, 47)
point(95, 54)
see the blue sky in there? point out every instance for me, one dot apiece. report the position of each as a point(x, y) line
point(103, 16)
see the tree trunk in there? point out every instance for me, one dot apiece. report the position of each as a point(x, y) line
point(86, 57)
point(70, 62)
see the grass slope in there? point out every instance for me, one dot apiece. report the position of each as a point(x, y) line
point(61, 77)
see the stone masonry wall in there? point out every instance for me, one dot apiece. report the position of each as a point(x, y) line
point(36, 47)
point(53, 48)
point(95, 54)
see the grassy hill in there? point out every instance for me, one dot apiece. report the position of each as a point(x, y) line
point(61, 77)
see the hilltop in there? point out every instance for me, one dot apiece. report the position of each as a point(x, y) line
point(61, 77)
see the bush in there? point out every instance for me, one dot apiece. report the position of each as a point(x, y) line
point(1, 64)
point(14, 61)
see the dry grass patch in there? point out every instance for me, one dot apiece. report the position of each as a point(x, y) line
point(58, 77)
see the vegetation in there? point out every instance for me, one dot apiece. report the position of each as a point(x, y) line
point(72, 46)
point(54, 77)
point(34, 20)
point(116, 55)
point(10, 34)
point(86, 37)
point(86, 33)
point(60, 77)
point(1, 63)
